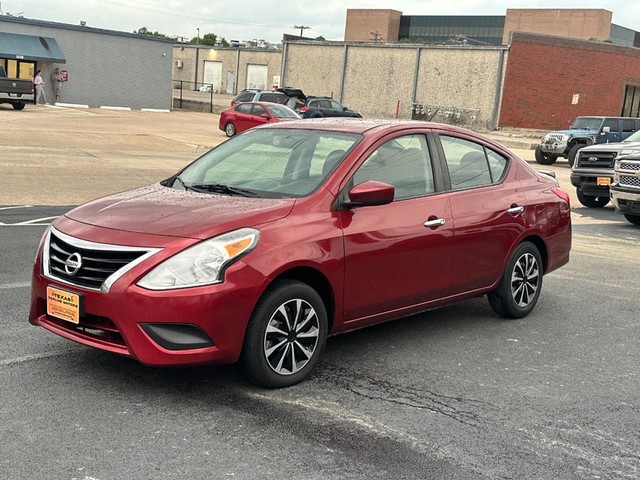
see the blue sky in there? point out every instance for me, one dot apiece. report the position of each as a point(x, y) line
point(269, 19)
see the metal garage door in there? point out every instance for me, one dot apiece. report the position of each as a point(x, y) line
point(213, 74)
point(257, 76)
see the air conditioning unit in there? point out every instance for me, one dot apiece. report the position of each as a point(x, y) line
point(178, 63)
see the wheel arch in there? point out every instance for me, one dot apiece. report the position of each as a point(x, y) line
point(541, 246)
point(316, 280)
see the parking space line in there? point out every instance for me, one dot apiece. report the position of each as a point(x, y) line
point(37, 356)
point(16, 206)
point(35, 221)
point(7, 286)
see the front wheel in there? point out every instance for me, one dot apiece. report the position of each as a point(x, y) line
point(230, 129)
point(544, 158)
point(521, 283)
point(635, 219)
point(286, 335)
point(590, 201)
point(571, 157)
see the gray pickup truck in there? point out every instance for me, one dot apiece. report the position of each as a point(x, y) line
point(625, 189)
point(16, 91)
point(593, 170)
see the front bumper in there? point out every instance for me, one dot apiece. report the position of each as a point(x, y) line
point(588, 183)
point(214, 317)
point(626, 201)
point(553, 146)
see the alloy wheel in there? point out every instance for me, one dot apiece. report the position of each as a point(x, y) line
point(291, 336)
point(525, 280)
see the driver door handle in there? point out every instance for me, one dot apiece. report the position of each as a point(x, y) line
point(434, 223)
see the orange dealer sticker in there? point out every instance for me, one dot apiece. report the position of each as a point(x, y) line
point(63, 305)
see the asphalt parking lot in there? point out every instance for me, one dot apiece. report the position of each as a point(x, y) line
point(456, 393)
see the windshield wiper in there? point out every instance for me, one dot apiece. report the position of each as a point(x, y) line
point(184, 185)
point(219, 188)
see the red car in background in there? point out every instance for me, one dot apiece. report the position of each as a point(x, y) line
point(244, 116)
point(277, 238)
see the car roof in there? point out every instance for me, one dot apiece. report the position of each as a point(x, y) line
point(358, 125)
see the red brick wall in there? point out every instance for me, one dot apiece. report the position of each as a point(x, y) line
point(544, 72)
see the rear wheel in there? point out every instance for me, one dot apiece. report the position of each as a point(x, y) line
point(635, 219)
point(230, 129)
point(521, 283)
point(286, 335)
point(590, 201)
point(571, 158)
point(18, 106)
point(544, 158)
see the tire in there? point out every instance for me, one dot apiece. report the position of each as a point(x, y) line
point(544, 158)
point(590, 201)
point(276, 352)
point(515, 298)
point(571, 158)
point(635, 219)
point(230, 129)
point(18, 106)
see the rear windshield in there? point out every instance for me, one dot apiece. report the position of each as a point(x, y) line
point(245, 96)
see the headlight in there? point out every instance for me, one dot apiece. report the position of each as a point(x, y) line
point(629, 152)
point(202, 264)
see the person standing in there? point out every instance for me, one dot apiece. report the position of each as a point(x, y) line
point(56, 80)
point(39, 84)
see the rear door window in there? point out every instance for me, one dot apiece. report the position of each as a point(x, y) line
point(243, 108)
point(467, 163)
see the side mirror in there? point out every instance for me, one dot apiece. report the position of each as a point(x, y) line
point(344, 109)
point(265, 115)
point(605, 130)
point(370, 193)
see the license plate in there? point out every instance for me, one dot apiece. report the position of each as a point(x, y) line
point(64, 305)
point(13, 95)
point(603, 181)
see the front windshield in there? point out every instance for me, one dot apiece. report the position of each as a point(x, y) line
point(268, 162)
point(633, 138)
point(586, 123)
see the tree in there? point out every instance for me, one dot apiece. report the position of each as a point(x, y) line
point(321, 38)
point(146, 31)
point(207, 39)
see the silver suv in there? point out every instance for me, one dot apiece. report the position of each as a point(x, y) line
point(254, 95)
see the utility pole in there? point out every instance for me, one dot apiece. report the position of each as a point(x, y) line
point(377, 37)
point(302, 28)
point(198, 37)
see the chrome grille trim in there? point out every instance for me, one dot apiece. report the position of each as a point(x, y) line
point(629, 181)
point(629, 166)
point(49, 270)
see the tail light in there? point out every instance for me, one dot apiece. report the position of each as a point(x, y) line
point(304, 109)
point(233, 103)
point(562, 194)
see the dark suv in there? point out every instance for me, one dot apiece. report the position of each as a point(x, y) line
point(255, 95)
point(316, 107)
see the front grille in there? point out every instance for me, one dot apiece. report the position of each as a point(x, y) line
point(97, 261)
point(629, 166)
point(597, 159)
point(555, 136)
point(629, 181)
point(94, 328)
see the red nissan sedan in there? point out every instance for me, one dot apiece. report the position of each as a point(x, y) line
point(244, 116)
point(288, 233)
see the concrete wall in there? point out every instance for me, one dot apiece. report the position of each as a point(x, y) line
point(105, 68)
point(545, 74)
point(234, 60)
point(462, 83)
point(362, 21)
point(584, 23)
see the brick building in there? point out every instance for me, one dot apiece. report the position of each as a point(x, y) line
point(583, 23)
point(550, 80)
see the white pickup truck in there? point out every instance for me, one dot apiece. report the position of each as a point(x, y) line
point(16, 91)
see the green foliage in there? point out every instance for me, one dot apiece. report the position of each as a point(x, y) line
point(146, 31)
point(321, 38)
point(207, 39)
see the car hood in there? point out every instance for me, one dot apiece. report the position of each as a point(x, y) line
point(159, 210)
point(613, 147)
point(574, 132)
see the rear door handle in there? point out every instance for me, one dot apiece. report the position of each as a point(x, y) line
point(515, 210)
point(434, 223)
